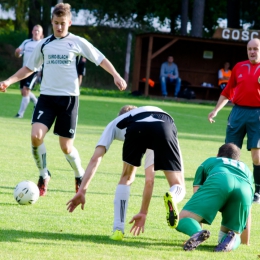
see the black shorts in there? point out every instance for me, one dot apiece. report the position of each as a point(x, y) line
point(159, 136)
point(61, 109)
point(29, 82)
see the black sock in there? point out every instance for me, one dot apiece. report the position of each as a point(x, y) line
point(257, 177)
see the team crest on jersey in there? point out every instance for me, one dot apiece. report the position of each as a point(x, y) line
point(70, 45)
point(259, 79)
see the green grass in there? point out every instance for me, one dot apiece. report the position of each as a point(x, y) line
point(46, 230)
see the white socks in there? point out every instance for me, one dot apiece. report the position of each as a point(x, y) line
point(178, 192)
point(33, 98)
point(39, 155)
point(120, 206)
point(24, 103)
point(75, 162)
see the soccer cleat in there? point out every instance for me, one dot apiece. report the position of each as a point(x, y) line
point(78, 181)
point(43, 184)
point(172, 214)
point(227, 244)
point(196, 240)
point(256, 198)
point(117, 235)
point(18, 116)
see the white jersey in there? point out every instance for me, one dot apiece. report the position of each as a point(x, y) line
point(58, 56)
point(27, 48)
point(113, 132)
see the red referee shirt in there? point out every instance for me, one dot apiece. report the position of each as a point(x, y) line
point(243, 87)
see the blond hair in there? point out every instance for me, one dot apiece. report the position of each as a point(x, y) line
point(125, 109)
point(62, 9)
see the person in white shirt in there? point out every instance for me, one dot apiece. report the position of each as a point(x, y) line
point(26, 85)
point(147, 130)
point(59, 91)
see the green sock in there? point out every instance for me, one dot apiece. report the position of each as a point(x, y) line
point(188, 226)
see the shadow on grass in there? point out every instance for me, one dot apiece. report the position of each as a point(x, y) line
point(11, 235)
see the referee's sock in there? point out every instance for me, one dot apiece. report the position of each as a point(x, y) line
point(256, 173)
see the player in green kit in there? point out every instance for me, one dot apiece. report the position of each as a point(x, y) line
point(222, 184)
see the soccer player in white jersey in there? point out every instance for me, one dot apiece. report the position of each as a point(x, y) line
point(26, 85)
point(141, 129)
point(59, 91)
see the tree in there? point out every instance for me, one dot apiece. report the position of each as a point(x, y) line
point(233, 13)
point(184, 16)
point(197, 18)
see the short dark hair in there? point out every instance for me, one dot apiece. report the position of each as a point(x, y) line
point(229, 150)
point(62, 9)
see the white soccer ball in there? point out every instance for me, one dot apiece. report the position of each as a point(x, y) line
point(26, 193)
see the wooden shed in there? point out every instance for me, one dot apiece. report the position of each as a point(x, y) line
point(198, 60)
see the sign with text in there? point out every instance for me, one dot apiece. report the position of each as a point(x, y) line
point(236, 34)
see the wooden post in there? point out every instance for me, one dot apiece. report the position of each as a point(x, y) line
point(148, 65)
point(128, 56)
point(137, 63)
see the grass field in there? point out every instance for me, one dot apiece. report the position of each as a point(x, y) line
point(46, 230)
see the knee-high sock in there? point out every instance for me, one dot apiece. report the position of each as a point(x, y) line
point(33, 98)
point(120, 206)
point(39, 155)
point(178, 192)
point(24, 103)
point(75, 162)
point(256, 173)
point(188, 226)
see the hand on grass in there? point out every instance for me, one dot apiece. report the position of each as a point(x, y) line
point(79, 198)
point(139, 222)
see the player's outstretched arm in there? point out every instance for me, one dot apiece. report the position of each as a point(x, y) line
point(92, 167)
point(221, 103)
point(118, 80)
point(22, 73)
point(139, 219)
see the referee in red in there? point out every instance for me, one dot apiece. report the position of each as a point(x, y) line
point(243, 90)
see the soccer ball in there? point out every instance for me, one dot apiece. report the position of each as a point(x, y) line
point(26, 193)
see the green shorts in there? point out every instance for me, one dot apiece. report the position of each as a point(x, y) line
point(227, 193)
point(242, 121)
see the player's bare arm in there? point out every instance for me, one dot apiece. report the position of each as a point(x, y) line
point(92, 167)
point(221, 103)
point(22, 73)
point(17, 53)
point(118, 80)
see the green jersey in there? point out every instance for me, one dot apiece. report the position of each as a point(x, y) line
point(216, 165)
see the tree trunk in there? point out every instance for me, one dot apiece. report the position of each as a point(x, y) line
point(197, 18)
point(34, 15)
point(233, 17)
point(184, 16)
point(20, 13)
point(46, 17)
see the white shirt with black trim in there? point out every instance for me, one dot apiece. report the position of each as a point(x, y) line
point(113, 132)
point(27, 48)
point(58, 56)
